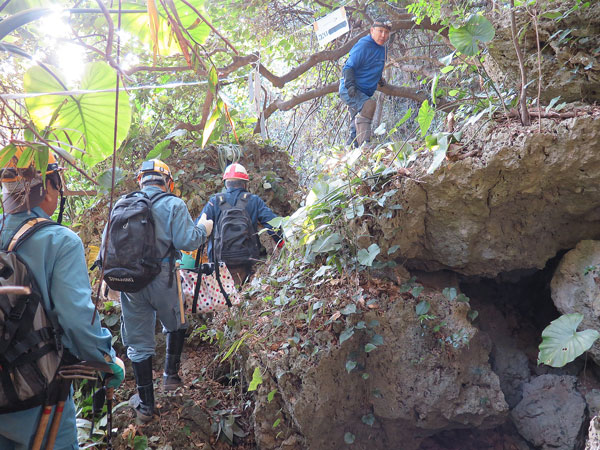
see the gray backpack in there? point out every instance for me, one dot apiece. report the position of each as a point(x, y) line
point(30, 345)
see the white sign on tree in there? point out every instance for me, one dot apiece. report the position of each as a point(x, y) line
point(331, 26)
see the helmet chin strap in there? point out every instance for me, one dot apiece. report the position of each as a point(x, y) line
point(63, 200)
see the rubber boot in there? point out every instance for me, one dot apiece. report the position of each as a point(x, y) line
point(143, 401)
point(363, 130)
point(171, 379)
point(363, 122)
point(352, 137)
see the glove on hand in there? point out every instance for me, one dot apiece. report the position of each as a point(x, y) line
point(114, 379)
point(208, 224)
point(350, 82)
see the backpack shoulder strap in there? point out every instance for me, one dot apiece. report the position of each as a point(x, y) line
point(156, 197)
point(26, 230)
point(244, 199)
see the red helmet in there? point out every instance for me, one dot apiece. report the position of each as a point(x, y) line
point(235, 171)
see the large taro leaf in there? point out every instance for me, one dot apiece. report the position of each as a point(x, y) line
point(139, 25)
point(562, 343)
point(83, 121)
point(466, 39)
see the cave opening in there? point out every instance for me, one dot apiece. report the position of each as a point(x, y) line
point(514, 308)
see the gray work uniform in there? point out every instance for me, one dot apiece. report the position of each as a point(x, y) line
point(175, 230)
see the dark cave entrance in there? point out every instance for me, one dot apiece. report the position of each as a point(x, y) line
point(514, 308)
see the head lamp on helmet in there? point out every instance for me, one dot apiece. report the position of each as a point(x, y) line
point(382, 22)
point(235, 171)
point(154, 170)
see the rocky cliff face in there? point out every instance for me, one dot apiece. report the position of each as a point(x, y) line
point(493, 223)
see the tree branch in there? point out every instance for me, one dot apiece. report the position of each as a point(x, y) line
point(285, 105)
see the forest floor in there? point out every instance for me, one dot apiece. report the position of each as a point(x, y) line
point(210, 411)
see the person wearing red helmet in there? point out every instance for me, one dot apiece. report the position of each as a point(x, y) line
point(245, 252)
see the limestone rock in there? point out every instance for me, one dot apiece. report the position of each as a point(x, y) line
point(552, 413)
point(574, 291)
point(526, 197)
point(417, 383)
point(593, 441)
point(568, 59)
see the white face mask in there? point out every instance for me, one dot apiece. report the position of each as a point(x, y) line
point(19, 196)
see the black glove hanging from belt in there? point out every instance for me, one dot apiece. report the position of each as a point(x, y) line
point(350, 81)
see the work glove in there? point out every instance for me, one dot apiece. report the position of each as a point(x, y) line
point(208, 224)
point(350, 82)
point(281, 244)
point(114, 379)
point(381, 82)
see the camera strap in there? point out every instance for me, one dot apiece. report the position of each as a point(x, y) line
point(218, 272)
point(199, 254)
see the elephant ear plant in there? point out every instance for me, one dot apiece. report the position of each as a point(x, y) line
point(562, 343)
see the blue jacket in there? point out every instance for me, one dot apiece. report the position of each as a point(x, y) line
point(367, 58)
point(257, 209)
point(173, 224)
point(55, 257)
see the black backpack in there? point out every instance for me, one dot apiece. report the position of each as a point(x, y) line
point(30, 344)
point(129, 258)
point(235, 238)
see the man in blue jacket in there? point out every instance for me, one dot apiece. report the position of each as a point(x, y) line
point(236, 183)
point(55, 257)
point(362, 73)
point(174, 230)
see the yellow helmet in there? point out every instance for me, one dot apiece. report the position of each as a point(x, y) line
point(22, 187)
point(155, 169)
point(11, 173)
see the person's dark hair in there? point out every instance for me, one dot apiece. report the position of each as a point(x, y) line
point(233, 184)
point(54, 179)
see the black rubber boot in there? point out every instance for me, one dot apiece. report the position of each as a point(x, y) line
point(171, 379)
point(143, 401)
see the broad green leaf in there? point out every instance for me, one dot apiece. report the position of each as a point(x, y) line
point(350, 308)
point(368, 419)
point(256, 380)
point(271, 395)
point(439, 153)
point(349, 438)
point(434, 84)
point(562, 343)
point(105, 179)
point(6, 154)
point(327, 243)
point(350, 365)
point(157, 151)
point(139, 25)
point(393, 249)
point(405, 117)
point(346, 334)
point(367, 256)
point(377, 339)
point(88, 119)
point(370, 347)
point(40, 157)
point(26, 158)
point(466, 39)
point(210, 123)
point(422, 308)
point(450, 293)
point(425, 117)
point(213, 79)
